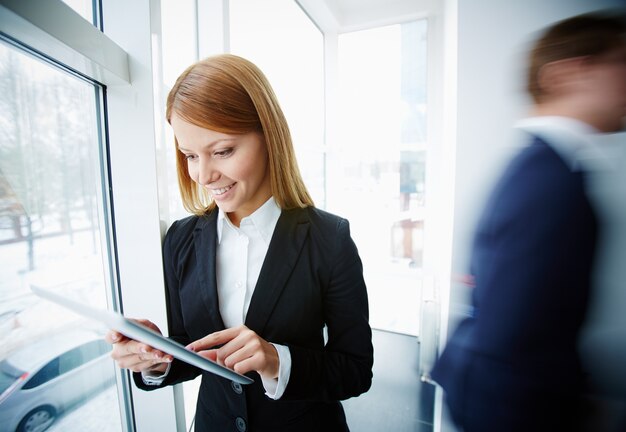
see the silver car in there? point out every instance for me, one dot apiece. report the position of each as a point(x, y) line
point(42, 379)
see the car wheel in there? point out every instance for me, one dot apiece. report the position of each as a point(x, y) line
point(38, 420)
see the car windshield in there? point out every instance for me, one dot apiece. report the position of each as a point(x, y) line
point(8, 375)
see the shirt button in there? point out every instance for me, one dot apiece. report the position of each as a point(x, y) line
point(238, 284)
point(241, 424)
point(236, 387)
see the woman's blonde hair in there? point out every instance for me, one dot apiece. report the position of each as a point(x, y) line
point(229, 94)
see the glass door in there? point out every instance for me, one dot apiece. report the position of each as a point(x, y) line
point(377, 179)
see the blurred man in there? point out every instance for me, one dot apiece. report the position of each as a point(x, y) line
point(513, 365)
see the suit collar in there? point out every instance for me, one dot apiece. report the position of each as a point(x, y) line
point(289, 236)
point(287, 241)
point(571, 139)
point(205, 239)
point(263, 219)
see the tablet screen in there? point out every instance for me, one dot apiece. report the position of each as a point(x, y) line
point(138, 332)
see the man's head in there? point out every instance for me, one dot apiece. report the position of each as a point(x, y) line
point(578, 68)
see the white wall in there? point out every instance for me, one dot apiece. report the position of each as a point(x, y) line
point(492, 40)
point(491, 37)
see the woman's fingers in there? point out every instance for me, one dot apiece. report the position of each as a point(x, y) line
point(210, 354)
point(137, 356)
point(147, 323)
point(113, 337)
point(241, 350)
point(214, 339)
point(263, 359)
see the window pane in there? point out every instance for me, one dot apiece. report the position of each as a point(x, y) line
point(376, 173)
point(281, 40)
point(52, 235)
point(178, 52)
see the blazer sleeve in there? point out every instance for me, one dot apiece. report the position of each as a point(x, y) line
point(343, 368)
point(179, 371)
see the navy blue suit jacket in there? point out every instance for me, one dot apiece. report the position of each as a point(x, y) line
point(312, 277)
point(513, 365)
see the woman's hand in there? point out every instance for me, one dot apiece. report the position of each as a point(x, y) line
point(242, 350)
point(137, 356)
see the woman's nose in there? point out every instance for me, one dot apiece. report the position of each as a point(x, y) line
point(207, 174)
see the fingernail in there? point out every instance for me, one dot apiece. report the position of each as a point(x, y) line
point(190, 347)
point(168, 360)
point(144, 350)
point(114, 337)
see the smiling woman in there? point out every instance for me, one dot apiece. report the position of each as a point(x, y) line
point(228, 96)
point(258, 279)
point(232, 168)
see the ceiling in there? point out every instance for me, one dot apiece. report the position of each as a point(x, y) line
point(349, 15)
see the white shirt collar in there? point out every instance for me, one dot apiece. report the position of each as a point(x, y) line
point(572, 139)
point(264, 219)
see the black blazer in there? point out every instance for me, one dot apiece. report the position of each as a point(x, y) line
point(312, 277)
point(513, 365)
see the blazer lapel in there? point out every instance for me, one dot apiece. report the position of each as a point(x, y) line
point(287, 241)
point(205, 239)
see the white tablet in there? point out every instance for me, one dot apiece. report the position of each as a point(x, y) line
point(138, 332)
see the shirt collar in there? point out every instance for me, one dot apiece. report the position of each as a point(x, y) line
point(572, 139)
point(264, 219)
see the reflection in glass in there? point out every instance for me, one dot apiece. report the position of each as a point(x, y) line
point(55, 370)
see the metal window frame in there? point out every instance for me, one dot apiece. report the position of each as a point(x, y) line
point(120, 61)
point(55, 30)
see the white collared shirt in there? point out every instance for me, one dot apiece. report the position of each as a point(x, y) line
point(572, 139)
point(240, 256)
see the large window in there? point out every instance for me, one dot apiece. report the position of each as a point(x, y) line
point(52, 235)
point(377, 168)
point(279, 38)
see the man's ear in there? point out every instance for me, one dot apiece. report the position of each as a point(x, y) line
point(561, 77)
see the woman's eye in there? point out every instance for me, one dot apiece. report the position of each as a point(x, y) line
point(223, 153)
point(190, 157)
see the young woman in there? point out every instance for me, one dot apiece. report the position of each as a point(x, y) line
point(258, 275)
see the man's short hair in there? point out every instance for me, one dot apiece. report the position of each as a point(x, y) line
point(588, 35)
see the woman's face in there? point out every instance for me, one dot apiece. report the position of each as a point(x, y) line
point(233, 168)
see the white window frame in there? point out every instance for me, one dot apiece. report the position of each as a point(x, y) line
point(56, 32)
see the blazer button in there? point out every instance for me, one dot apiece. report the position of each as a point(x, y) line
point(241, 424)
point(236, 387)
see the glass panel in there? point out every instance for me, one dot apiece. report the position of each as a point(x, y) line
point(178, 52)
point(51, 236)
point(376, 173)
point(280, 39)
